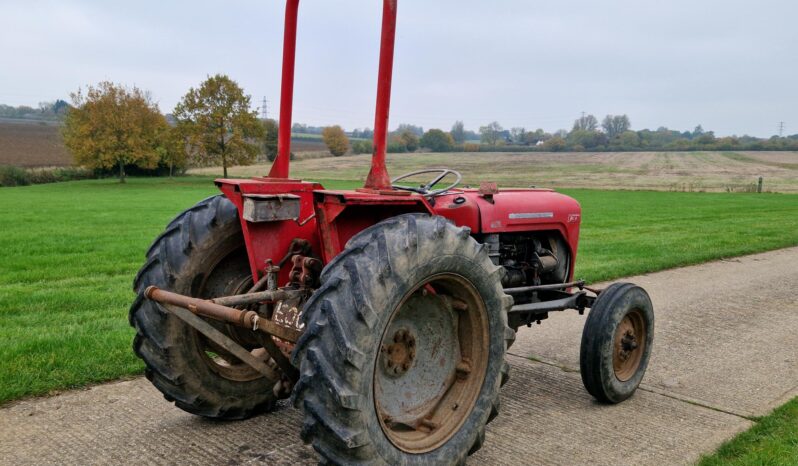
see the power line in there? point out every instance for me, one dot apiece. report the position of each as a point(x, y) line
point(781, 128)
point(264, 109)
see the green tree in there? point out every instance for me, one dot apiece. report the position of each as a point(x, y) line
point(219, 124)
point(531, 138)
point(698, 131)
point(586, 123)
point(417, 130)
point(336, 140)
point(615, 125)
point(554, 144)
point(518, 135)
point(586, 139)
point(362, 147)
point(491, 133)
point(629, 140)
point(458, 132)
point(113, 126)
point(409, 139)
point(270, 135)
point(437, 141)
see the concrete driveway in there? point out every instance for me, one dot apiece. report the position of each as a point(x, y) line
point(726, 349)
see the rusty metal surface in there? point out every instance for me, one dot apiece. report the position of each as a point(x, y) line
point(432, 364)
point(202, 307)
point(277, 330)
point(305, 271)
point(556, 286)
point(629, 345)
point(221, 339)
point(246, 319)
point(252, 298)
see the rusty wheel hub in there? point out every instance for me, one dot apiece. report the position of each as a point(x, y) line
point(432, 363)
point(398, 356)
point(219, 359)
point(629, 345)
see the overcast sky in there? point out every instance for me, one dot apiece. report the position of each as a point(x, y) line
point(730, 65)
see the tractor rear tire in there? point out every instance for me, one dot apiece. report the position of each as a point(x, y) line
point(201, 254)
point(616, 342)
point(412, 304)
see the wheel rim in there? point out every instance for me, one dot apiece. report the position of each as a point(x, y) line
point(629, 345)
point(432, 363)
point(217, 358)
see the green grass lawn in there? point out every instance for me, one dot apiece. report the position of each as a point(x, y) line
point(773, 441)
point(70, 251)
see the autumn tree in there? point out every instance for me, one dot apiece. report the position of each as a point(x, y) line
point(171, 148)
point(437, 141)
point(335, 139)
point(111, 125)
point(219, 125)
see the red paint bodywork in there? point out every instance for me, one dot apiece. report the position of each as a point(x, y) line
point(280, 166)
point(328, 219)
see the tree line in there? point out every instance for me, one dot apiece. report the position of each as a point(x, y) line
point(114, 127)
point(612, 133)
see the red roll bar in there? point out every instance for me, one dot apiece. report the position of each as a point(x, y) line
point(280, 165)
point(378, 175)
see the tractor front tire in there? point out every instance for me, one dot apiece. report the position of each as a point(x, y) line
point(404, 349)
point(201, 254)
point(616, 342)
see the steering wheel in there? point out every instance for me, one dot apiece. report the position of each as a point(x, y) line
point(426, 189)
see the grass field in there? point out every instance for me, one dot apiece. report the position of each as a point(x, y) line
point(70, 251)
point(772, 441)
point(664, 171)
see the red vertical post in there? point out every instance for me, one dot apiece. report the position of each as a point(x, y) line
point(280, 165)
point(378, 176)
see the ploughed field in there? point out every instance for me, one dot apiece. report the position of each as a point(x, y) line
point(662, 171)
point(70, 252)
point(26, 143)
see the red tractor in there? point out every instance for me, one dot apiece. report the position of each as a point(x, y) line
point(385, 313)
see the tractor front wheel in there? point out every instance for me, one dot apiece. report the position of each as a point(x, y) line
point(616, 342)
point(201, 254)
point(403, 353)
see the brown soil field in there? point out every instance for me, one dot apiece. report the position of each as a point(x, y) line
point(26, 143)
point(32, 144)
point(665, 171)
